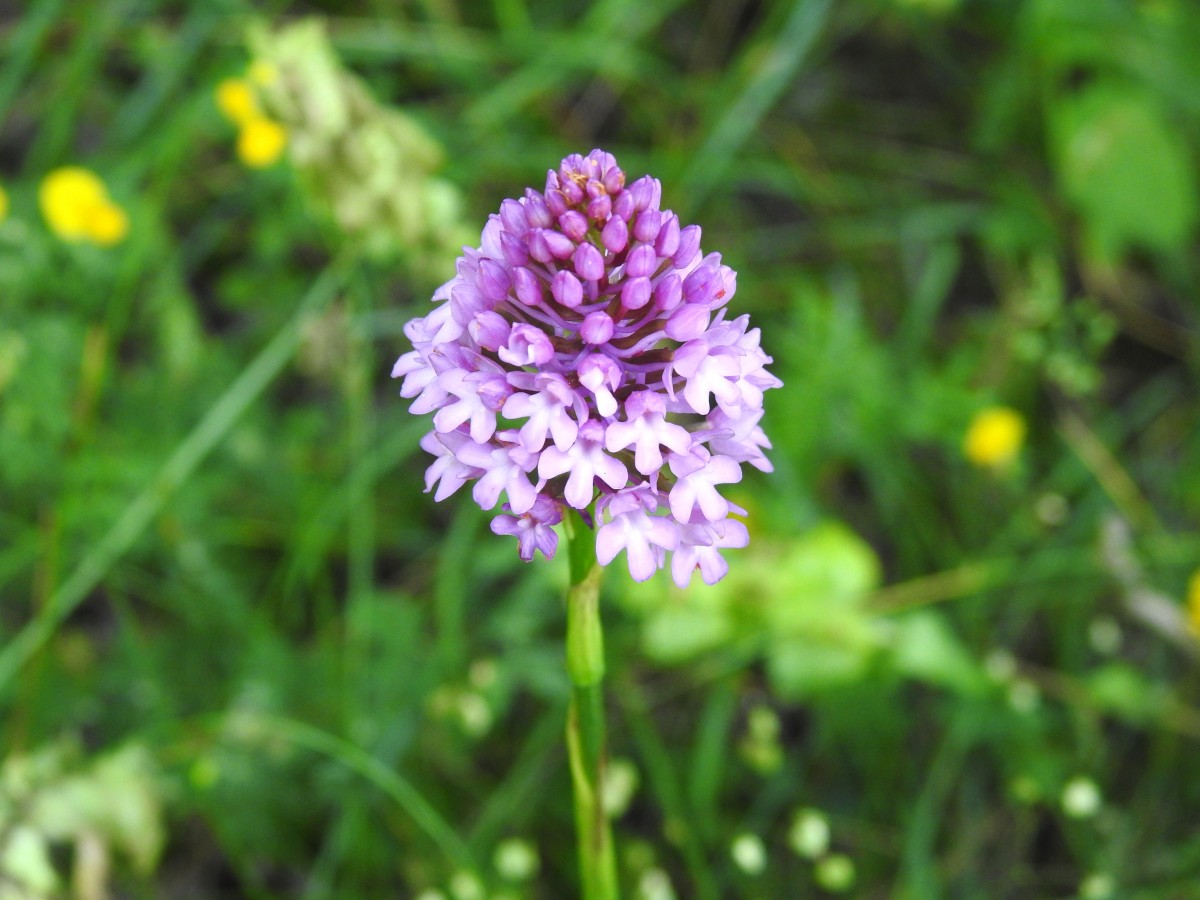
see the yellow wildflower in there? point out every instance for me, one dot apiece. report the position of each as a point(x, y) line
point(77, 207)
point(108, 225)
point(67, 197)
point(235, 98)
point(994, 437)
point(261, 142)
point(1193, 602)
point(3, 204)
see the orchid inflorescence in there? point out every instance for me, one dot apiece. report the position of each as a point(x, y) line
point(574, 359)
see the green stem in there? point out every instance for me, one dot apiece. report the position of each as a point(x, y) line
point(585, 718)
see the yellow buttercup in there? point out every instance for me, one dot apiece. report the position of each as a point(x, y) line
point(76, 207)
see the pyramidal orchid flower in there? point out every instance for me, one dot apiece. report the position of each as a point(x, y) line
point(582, 357)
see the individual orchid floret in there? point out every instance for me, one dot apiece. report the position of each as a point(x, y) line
point(582, 356)
point(478, 396)
point(533, 529)
point(585, 463)
point(448, 471)
point(648, 430)
point(644, 537)
point(700, 547)
point(695, 489)
point(545, 408)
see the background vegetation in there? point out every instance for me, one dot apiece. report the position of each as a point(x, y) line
point(244, 656)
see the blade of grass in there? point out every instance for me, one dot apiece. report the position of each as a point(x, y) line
point(141, 511)
point(407, 797)
point(21, 49)
point(360, 500)
point(310, 549)
point(96, 25)
point(710, 756)
point(919, 859)
point(788, 49)
point(1108, 471)
point(451, 579)
point(143, 107)
point(604, 40)
point(537, 760)
point(660, 767)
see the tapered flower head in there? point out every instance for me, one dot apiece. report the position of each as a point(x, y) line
point(583, 356)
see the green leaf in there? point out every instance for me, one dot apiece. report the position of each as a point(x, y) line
point(925, 648)
point(827, 569)
point(1125, 692)
point(1125, 170)
point(678, 633)
point(798, 668)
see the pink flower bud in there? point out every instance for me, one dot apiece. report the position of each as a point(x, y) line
point(600, 208)
point(615, 235)
point(515, 250)
point(573, 225)
point(668, 292)
point(489, 330)
point(645, 226)
point(597, 328)
point(642, 260)
point(667, 240)
point(624, 205)
point(635, 293)
point(589, 264)
point(689, 246)
point(512, 214)
point(527, 287)
point(566, 289)
point(537, 214)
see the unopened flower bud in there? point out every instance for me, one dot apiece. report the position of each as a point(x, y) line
point(623, 206)
point(493, 280)
point(527, 287)
point(615, 235)
point(668, 292)
point(642, 260)
point(589, 264)
point(489, 330)
point(689, 246)
point(667, 240)
point(537, 213)
point(512, 214)
point(635, 293)
point(515, 250)
point(600, 208)
point(566, 289)
point(645, 226)
point(597, 328)
point(573, 224)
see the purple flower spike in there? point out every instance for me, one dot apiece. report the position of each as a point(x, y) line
point(582, 356)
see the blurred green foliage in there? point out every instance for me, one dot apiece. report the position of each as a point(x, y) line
point(241, 654)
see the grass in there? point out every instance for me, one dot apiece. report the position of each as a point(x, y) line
point(214, 544)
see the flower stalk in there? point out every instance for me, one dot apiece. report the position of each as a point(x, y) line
point(585, 717)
